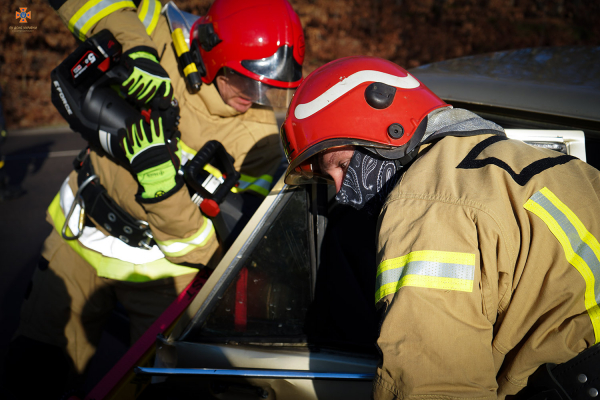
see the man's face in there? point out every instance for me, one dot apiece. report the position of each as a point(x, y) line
point(232, 93)
point(334, 162)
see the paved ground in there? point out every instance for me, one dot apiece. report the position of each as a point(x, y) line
point(38, 160)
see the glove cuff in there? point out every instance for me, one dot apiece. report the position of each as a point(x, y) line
point(153, 200)
point(145, 49)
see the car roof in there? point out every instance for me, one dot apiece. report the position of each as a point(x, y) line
point(560, 81)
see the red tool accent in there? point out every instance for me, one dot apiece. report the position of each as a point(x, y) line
point(146, 115)
point(240, 315)
point(116, 378)
point(210, 207)
point(104, 65)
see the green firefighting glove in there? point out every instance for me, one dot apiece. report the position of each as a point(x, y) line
point(147, 79)
point(154, 157)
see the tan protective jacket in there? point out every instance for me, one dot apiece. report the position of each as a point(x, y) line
point(488, 263)
point(183, 234)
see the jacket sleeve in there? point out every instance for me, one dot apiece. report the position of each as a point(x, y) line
point(180, 230)
point(87, 17)
point(437, 328)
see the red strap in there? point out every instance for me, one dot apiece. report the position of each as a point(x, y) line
point(115, 378)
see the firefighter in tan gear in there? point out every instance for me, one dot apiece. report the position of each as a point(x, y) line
point(488, 259)
point(251, 62)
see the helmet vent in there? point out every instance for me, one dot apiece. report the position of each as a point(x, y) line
point(207, 36)
point(395, 131)
point(379, 95)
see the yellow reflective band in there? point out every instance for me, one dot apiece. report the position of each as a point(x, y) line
point(1, 164)
point(180, 247)
point(149, 13)
point(143, 10)
point(187, 149)
point(427, 269)
point(261, 185)
point(108, 267)
point(581, 248)
point(92, 12)
point(75, 19)
point(189, 69)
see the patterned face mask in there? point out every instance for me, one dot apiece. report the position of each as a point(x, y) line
point(368, 181)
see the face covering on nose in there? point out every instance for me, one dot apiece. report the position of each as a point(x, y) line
point(368, 181)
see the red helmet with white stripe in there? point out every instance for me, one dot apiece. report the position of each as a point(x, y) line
point(257, 43)
point(360, 101)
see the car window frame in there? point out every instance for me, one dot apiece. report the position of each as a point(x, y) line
point(230, 265)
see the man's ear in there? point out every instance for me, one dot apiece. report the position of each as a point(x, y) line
point(222, 79)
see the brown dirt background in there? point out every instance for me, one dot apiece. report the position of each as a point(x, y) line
point(408, 32)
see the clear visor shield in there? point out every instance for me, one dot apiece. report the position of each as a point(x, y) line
point(258, 92)
point(307, 172)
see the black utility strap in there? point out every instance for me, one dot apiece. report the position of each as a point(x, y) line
point(107, 213)
point(580, 377)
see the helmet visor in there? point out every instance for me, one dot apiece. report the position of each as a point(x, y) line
point(258, 92)
point(307, 172)
point(281, 66)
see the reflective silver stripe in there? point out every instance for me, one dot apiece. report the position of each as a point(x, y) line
point(427, 268)
point(580, 247)
point(90, 13)
point(263, 183)
point(149, 13)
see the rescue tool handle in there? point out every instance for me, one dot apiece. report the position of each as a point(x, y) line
point(215, 152)
point(186, 61)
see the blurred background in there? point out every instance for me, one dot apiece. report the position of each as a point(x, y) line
point(408, 32)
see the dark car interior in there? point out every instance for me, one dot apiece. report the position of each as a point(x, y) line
point(309, 280)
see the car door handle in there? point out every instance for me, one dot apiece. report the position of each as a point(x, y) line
point(253, 373)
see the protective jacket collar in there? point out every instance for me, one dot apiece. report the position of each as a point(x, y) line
point(443, 122)
point(214, 102)
point(373, 173)
point(458, 122)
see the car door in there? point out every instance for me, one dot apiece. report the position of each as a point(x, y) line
point(262, 309)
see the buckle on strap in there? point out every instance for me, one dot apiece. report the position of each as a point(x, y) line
point(146, 243)
point(81, 202)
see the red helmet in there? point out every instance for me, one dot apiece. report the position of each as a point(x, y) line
point(257, 39)
point(362, 101)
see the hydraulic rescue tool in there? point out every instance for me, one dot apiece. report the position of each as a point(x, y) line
point(85, 90)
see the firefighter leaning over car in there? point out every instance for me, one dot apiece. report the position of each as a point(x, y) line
point(252, 52)
point(488, 255)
